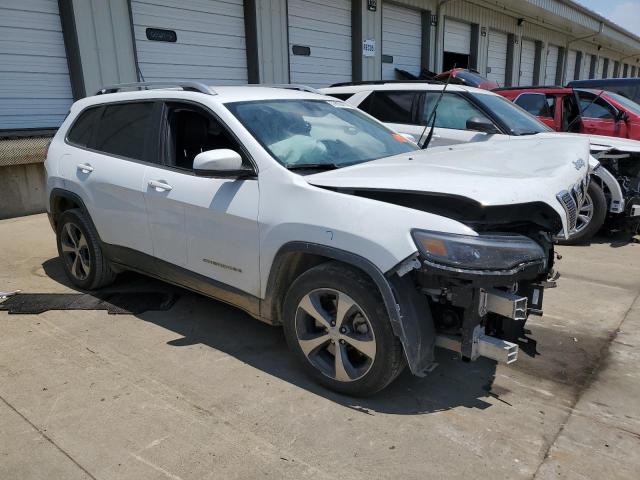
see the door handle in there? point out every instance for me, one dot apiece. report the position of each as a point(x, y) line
point(160, 186)
point(85, 168)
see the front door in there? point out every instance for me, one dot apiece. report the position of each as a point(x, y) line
point(599, 116)
point(205, 225)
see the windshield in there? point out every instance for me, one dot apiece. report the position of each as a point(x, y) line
point(517, 120)
point(625, 102)
point(317, 132)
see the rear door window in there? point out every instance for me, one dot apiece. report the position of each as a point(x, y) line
point(391, 107)
point(126, 130)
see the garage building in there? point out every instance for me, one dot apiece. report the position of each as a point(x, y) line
point(55, 51)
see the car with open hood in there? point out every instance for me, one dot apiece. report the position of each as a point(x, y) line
point(477, 116)
point(308, 213)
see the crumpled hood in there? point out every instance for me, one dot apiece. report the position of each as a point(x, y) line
point(603, 143)
point(498, 173)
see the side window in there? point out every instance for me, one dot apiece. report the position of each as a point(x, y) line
point(598, 109)
point(390, 107)
point(453, 111)
point(191, 130)
point(82, 130)
point(534, 103)
point(125, 129)
point(340, 96)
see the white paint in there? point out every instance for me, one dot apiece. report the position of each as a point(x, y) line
point(551, 65)
point(527, 62)
point(401, 39)
point(210, 45)
point(35, 89)
point(457, 36)
point(497, 57)
point(570, 71)
point(325, 27)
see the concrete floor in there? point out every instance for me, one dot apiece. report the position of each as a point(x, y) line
point(203, 391)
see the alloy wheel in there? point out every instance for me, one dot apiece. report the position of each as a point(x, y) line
point(335, 334)
point(585, 215)
point(75, 251)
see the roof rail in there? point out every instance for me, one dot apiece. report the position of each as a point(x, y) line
point(288, 86)
point(186, 85)
point(528, 87)
point(384, 82)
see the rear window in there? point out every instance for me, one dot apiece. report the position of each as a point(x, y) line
point(82, 129)
point(534, 103)
point(124, 129)
point(390, 107)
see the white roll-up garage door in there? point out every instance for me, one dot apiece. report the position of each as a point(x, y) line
point(35, 89)
point(457, 37)
point(209, 43)
point(319, 42)
point(551, 66)
point(570, 72)
point(586, 66)
point(600, 70)
point(497, 57)
point(527, 62)
point(401, 40)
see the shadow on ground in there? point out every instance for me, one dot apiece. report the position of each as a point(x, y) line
point(559, 357)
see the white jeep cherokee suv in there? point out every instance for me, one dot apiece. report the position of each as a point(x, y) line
point(308, 213)
point(467, 114)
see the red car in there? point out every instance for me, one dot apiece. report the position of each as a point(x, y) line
point(600, 112)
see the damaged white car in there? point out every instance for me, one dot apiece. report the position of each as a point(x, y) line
point(307, 213)
point(473, 115)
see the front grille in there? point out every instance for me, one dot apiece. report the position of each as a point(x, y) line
point(571, 207)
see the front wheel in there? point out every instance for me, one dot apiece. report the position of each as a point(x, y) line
point(80, 252)
point(337, 325)
point(591, 216)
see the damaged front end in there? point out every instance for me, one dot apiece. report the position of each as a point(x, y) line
point(475, 293)
point(623, 198)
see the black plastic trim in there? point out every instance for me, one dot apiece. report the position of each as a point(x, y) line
point(140, 262)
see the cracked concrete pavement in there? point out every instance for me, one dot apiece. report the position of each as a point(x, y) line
point(203, 391)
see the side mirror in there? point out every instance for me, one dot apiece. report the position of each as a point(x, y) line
point(481, 124)
point(220, 163)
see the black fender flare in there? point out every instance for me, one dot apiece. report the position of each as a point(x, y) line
point(408, 309)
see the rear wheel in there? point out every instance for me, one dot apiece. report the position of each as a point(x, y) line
point(337, 325)
point(591, 216)
point(80, 252)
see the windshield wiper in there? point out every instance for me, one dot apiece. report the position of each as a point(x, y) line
point(432, 117)
point(313, 166)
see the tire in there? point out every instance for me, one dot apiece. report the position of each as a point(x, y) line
point(595, 211)
point(333, 292)
point(80, 252)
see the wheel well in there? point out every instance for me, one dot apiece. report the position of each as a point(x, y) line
point(59, 205)
point(289, 267)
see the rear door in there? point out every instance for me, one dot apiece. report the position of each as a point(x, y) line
point(107, 169)
point(205, 225)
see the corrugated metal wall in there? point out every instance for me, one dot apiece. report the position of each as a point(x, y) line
point(105, 43)
point(35, 90)
point(272, 41)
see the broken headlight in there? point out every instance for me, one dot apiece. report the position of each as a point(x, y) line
point(482, 252)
